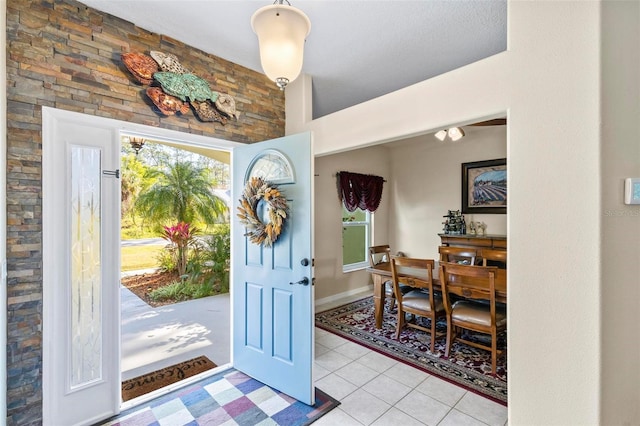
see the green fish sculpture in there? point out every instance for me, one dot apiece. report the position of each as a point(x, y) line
point(185, 86)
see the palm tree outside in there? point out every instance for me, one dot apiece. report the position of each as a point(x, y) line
point(181, 192)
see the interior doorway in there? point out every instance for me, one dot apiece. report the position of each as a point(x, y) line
point(174, 317)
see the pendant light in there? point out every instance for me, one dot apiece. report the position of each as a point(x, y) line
point(136, 143)
point(281, 31)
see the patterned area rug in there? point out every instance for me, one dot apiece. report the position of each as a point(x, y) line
point(466, 366)
point(226, 398)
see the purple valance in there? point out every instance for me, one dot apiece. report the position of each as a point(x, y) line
point(356, 190)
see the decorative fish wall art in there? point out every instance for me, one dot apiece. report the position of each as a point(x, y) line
point(174, 89)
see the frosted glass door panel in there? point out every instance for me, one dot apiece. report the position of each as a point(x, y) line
point(86, 277)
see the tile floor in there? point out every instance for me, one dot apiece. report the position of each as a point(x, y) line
point(376, 390)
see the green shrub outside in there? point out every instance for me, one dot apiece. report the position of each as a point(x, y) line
point(207, 271)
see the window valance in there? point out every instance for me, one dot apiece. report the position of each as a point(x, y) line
point(359, 191)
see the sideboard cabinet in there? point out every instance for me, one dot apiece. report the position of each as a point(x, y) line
point(475, 241)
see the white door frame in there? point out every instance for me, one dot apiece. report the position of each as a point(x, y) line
point(50, 117)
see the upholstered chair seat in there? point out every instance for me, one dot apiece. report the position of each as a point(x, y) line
point(477, 313)
point(418, 299)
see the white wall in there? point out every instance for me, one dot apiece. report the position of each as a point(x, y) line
point(620, 147)
point(550, 82)
point(330, 280)
point(426, 182)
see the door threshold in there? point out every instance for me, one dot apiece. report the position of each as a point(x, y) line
point(167, 389)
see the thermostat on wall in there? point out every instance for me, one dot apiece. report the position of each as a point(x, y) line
point(632, 191)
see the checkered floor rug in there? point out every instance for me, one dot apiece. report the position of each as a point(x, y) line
point(227, 398)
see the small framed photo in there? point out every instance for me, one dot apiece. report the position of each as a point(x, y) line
point(484, 187)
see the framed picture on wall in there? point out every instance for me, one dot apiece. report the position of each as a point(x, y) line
point(484, 187)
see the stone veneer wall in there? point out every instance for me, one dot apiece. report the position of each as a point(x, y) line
point(65, 55)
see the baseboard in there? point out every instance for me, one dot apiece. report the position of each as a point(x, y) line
point(342, 298)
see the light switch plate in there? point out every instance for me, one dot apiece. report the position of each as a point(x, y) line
point(632, 191)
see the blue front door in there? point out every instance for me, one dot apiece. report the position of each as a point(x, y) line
point(272, 292)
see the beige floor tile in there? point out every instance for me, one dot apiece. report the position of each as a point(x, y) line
point(319, 372)
point(331, 340)
point(320, 349)
point(352, 350)
point(377, 361)
point(357, 373)
point(387, 389)
point(336, 417)
point(423, 408)
point(443, 391)
point(332, 360)
point(456, 418)
point(364, 407)
point(395, 417)
point(335, 386)
point(483, 409)
point(406, 374)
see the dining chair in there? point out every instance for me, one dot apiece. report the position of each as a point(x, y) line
point(382, 254)
point(421, 301)
point(461, 255)
point(476, 286)
point(492, 257)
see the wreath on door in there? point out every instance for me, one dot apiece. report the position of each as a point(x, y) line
point(255, 191)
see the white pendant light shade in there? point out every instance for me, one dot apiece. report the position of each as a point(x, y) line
point(441, 135)
point(281, 31)
point(456, 133)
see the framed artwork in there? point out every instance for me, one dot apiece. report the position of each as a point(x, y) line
point(484, 187)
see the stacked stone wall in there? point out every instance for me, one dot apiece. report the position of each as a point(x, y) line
point(64, 55)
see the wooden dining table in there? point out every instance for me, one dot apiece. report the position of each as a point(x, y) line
point(382, 273)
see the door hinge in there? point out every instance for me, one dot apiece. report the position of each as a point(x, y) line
point(115, 173)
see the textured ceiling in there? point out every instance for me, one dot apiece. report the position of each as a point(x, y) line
point(356, 51)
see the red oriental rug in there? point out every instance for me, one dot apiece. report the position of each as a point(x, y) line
point(466, 366)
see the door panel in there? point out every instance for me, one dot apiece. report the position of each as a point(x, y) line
point(81, 378)
point(272, 314)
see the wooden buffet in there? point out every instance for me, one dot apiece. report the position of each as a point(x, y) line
point(475, 241)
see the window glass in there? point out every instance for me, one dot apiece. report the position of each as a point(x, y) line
point(86, 278)
point(356, 227)
point(272, 166)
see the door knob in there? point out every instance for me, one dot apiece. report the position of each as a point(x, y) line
point(303, 281)
point(304, 262)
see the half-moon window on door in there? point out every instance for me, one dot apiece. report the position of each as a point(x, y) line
point(272, 166)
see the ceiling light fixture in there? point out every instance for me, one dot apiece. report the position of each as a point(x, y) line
point(454, 133)
point(441, 135)
point(281, 31)
point(136, 143)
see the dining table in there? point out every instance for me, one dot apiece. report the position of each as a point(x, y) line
point(381, 273)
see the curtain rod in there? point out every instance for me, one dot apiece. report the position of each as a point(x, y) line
point(336, 175)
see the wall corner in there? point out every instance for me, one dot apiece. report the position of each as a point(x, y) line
point(298, 104)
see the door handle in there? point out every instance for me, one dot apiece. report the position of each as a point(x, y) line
point(303, 281)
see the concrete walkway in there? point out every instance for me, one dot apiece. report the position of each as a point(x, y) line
point(154, 338)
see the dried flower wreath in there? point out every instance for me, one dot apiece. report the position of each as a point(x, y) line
point(258, 189)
